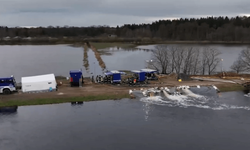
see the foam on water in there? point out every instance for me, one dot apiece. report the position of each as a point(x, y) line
point(191, 94)
point(185, 102)
point(207, 100)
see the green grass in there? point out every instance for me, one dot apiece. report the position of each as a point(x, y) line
point(107, 45)
point(5, 103)
point(233, 87)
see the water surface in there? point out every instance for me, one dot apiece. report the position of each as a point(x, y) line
point(130, 124)
point(29, 60)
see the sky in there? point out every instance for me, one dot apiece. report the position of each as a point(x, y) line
point(112, 12)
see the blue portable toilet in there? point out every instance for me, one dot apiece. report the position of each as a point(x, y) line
point(75, 76)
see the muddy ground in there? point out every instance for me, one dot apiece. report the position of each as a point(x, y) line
point(89, 88)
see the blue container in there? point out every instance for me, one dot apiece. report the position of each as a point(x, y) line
point(141, 75)
point(116, 76)
point(75, 76)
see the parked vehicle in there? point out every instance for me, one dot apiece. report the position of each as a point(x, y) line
point(7, 85)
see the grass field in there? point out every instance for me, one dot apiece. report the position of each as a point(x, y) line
point(5, 103)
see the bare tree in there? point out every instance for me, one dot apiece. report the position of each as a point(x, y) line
point(196, 62)
point(178, 59)
point(239, 66)
point(210, 59)
point(160, 58)
point(245, 58)
point(187, 60)
point(173, 51)
point(188, 64)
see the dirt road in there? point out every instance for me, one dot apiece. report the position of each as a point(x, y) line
point(88, 89)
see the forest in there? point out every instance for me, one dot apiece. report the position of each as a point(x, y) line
point(184, 29)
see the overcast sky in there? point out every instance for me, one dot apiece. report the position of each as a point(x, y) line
point(112, 12)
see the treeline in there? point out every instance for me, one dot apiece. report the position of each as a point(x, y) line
point(194, 29)
point(184, 59)
point(195, 61)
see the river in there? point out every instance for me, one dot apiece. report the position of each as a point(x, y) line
point(132, 124)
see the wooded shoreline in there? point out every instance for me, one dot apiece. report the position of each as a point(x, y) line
point(134, 41)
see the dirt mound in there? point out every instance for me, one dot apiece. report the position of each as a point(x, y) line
point(172, 76)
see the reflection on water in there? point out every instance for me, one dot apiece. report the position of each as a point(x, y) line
point(146, 108)
point(130, 59)
point(76, 103)
point(9, 109)
point(85, 59)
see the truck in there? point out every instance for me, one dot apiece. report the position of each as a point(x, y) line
point(7, 85)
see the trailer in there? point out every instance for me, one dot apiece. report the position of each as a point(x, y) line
point(150, 74)
point(39, 83)
point(76, 78)
point(139, 77)
point(7, 85)
point(113, 77)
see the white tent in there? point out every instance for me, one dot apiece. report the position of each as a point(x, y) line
point(39, 83)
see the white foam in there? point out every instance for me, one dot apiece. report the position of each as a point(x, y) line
point(190, 93)
point(185, 102)
point(189, 99)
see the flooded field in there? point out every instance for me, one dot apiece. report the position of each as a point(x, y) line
point(59, 59)
point(29, 60)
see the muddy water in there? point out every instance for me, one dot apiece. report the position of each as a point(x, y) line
point(131, 124)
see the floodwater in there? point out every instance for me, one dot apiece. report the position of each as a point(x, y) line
point(29, 60)
point(219, 122)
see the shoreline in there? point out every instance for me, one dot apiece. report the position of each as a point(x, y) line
point(122, 41)
point(95, 92)
point(48, 101)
